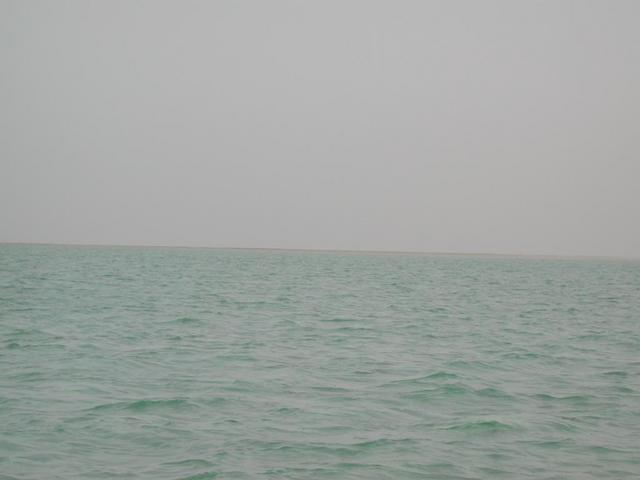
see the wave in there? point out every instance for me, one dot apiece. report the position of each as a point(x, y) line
point(200, 476)
point(483, 426)
point(190, 462)
point(186, 321)
point(440, 375)
point(576, 399)
point(143, 405)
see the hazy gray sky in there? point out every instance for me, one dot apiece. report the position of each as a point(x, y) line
point(458, 126)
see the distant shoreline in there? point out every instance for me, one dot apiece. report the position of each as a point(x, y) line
point(341, 251)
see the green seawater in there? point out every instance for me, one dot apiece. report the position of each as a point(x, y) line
point(151, 363)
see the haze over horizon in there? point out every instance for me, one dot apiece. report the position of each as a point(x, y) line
point(467, 127)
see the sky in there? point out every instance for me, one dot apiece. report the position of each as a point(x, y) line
point(439, 126)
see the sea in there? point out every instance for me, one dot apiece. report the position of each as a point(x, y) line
point(180, 363)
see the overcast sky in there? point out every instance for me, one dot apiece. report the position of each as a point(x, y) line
point(455, 126)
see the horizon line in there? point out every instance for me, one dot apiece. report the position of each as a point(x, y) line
point(332, 250)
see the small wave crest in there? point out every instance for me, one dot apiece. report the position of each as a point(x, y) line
point(143, 405)
point(482, 426)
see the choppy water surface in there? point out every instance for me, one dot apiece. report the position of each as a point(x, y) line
point(183, 363)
